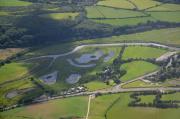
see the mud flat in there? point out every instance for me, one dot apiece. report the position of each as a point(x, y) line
point(86, 58)
point(109, 56)
point(73, 78)
point(50, 78)
point(80, 65)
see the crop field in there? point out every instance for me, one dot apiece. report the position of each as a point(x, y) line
point(104, 105)
point(60, 16)
point(67, 107)
point(5, 3)
point(106, 12)
point(142, 52)
point(136, 69)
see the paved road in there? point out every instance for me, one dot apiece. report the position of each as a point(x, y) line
point(111, 90)
point(103, 45)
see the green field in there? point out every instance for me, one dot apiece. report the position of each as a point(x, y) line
point(102, 105)
point(116, 4)
point(15, 86)
point(97, 85)
point(11, 3)
point(174, 96)
point(144, 4)
point(166, 16)
point(140, 83)
point(166, 36)
point(136, 69)
point(142, 52)
point(13, 71)
point(166, 7)
point(68, 107)
point(125, 10)
point(120, 109)
point(125, 22)
point(3, 13)
point(61, 16)
point(106, 12)
point(147, 98)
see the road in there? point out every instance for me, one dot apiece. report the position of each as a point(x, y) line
point(103, 45)
point(111, 90)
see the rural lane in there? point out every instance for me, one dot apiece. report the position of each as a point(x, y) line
point(103, 45)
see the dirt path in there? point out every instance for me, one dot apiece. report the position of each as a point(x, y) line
point(89, 104)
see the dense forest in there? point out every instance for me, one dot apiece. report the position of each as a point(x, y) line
point(32, 30)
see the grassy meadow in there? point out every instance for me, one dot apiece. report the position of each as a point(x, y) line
point(103, 105)
point(55, 109)
point(60, 16)
point(116, 4)
point(136, 69)
point(109, 13)
point(124, 22)
point(140, 83)
point(14, 71)
point(128, 12)
point(13, 3)
point(142, 52)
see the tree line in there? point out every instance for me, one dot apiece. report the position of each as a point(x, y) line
point(157, 102)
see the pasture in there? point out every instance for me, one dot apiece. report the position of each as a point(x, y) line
point(140, 83)
point(104, 105)
point(142, 52)
point(14, 71)
point(54, 109)
point(166, 16)
point(110, 13)
point(132, 12)
point(174, 96)
point(124, 22)
point(147, 98)
point(124, 4)
point(97, 85)
point(144, 4)
point(13, 3)
point(166, 7)
point(136, 69)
